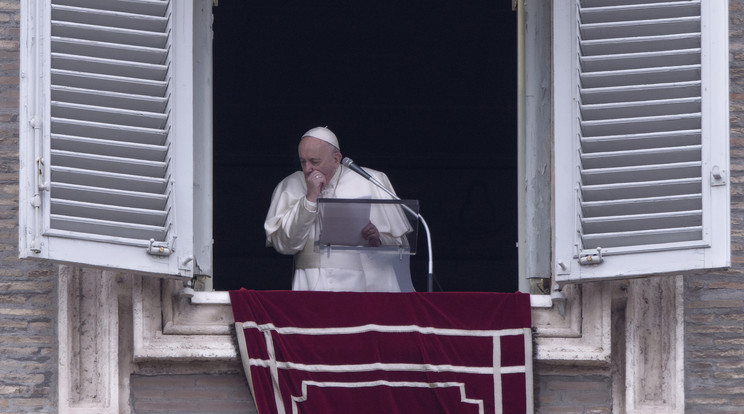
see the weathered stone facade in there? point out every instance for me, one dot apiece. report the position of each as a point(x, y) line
point(28, 301)
point(714, 302)
point(29, 376)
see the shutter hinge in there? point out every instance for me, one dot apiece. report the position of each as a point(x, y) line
point(41, 184)
point(717, 176)
point(591, 259)
point(186, 263)
point(159, 249)
point(36, 201)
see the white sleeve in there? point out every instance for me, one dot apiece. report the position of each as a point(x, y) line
point(290, 220)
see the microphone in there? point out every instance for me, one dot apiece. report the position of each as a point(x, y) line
point(349, 163)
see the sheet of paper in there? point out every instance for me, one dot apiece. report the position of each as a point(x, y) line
point(342, 223)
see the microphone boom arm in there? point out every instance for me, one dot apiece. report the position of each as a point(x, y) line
point(351, 165)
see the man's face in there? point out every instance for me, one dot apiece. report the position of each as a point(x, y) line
point(317, 155)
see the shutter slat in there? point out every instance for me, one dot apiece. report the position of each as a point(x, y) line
point(106, 179)
point(109, 212)
point(108, 115)
point(640, 60)
point(108, 18)
point(643, 157)
point(655, 27)
point(98, 195)
point(640, 44)
point(640, 108)
point(641, 205)
point(110, 67)
point(108, 147)
point(109, 83)
point(104, 50)
point(641, 189)
point(110, 164)
point(624, 142)
point(607, 3)
point(108, 228)
point(109, 34)
point(639, 222)
point(645, 76)
point(109, 99)
point(645, 237)
point(111, 132)
point(641, 173)
point(144, 7)
point(650, 10)
point(631, 93)
point(640, 125)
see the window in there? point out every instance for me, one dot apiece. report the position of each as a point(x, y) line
point(113, 135)
point(122, 167)
point(641, 137)
point(424, 91)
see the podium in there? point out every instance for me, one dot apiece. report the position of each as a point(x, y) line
point(340, 243)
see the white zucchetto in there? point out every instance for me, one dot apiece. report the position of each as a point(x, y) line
point(323, 134)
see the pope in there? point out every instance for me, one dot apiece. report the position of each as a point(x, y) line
point(291, 223)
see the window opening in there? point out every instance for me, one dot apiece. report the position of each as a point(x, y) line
point(426, 93)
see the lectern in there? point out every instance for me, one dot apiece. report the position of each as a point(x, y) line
point(341, 245)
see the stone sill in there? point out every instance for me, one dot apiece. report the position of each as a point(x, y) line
point(202, 327)
point(223, 298)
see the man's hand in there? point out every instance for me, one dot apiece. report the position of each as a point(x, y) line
point(372, 235)
point(315, 182)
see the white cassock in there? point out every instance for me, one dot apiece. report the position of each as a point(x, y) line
point(290, 229)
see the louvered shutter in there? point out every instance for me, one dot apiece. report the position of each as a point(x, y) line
point(109, 107)
point(641, 137)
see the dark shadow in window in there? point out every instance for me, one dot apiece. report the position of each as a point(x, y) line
point(423, 90)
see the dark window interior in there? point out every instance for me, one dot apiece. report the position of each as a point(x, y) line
point(422, 90)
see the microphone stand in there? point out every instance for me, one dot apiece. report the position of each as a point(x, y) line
point(430, 276)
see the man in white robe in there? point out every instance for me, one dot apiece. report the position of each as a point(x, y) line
point(291, 223)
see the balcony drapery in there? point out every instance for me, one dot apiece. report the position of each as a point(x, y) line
point(334, 352)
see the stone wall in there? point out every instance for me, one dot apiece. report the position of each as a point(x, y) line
point(570, 390)
point(195, 394)
point(27, 289)
point(714, 302)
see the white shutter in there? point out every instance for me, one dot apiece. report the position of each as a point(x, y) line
point(640, 137)
point(107, 102)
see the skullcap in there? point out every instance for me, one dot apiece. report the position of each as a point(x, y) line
point(323, 134)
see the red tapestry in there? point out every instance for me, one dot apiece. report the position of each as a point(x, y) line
point(325, 352)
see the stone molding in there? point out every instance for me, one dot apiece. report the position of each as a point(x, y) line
point(654, 345)
point(582, 333)
point(167, 326)
point(89, 380)
point(112, 325)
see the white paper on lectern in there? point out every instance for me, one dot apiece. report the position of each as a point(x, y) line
point(343, 223)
